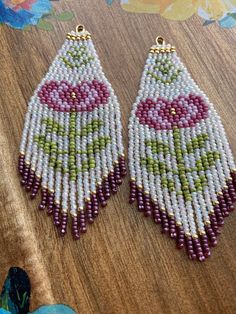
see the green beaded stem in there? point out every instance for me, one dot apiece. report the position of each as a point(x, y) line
point(51, 147)
point(160, 168)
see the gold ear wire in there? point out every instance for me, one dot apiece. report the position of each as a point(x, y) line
point(160, 40)
point(80, 28)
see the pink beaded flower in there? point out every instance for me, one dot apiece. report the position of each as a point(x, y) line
point(62, 96)
point(181, 112)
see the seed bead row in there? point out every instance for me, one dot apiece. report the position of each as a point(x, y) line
point(189, 204)
point(37, 131)
point(226, 145)
point(194, 177)
point(80, 184)
point(161, 50)
point(30, 139)
point(197, 178)
point(114, 110)
point(215, 121)
point(60, 156)
point(145, 181)
point(26, 128)
point(227, 161)
point(65, 183)
point(151, 177)
point(171, 164)
point(74, 37)
point(40, 164)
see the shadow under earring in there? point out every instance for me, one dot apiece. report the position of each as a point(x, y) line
point(182, 170)
point(71, 145)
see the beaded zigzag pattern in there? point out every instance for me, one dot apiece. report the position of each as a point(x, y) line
point(182, 169)
point(71, 145)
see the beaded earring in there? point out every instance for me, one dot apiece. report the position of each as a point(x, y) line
point(71, 145)
point(182, 170)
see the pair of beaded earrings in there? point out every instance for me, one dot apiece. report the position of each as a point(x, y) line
point(182, 170)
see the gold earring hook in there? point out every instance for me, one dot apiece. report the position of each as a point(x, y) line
point(160, 40)
point(80, 28)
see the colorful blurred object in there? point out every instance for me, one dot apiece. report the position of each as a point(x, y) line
point(221, 11)
point(22, 14)
point(19, 13)
point(15, 296)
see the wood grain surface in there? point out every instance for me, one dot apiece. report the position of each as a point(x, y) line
point(123, 264)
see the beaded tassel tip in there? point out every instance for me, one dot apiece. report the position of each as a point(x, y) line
point(71, 145)
point(182, 170)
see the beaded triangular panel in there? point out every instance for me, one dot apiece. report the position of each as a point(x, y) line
point(71, 145)
point(182, 169)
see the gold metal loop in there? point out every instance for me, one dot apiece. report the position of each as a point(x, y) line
point(160, 40)
point(80, 28)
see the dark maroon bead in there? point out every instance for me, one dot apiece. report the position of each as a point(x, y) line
point(112, 182)
point(83, 229)
point(101, 197)
point(42, 206)
point(62, 231)
point(156, 217)
point(164, 222)
point(89, 212)
point(23, 182)
point(172, 233)
point(35, 189)
point(56, 222)
point(63, 225)
point(189, 248)
point(50, 209)
point(131, 199)
point(103, 203)
point(95, 213)
point(180, 237)
point(218, 215)
point(123, 170)
point(117, 175)
point(147, 213)
point(33, 195)
point(106, 189)
point(225, 213)
point(214, 224)
point(205, 245)
point(140, 200)
point(75, 231)
point(28, 188)
point(172, 228)
point(211, 235)
point(82, 222)
point(198, 249)
point(90, 219)
point(76, 235)
point(56, 219)
point(147, 206)
point(132, 194)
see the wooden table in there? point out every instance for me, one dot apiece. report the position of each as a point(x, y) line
point(123, 264)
